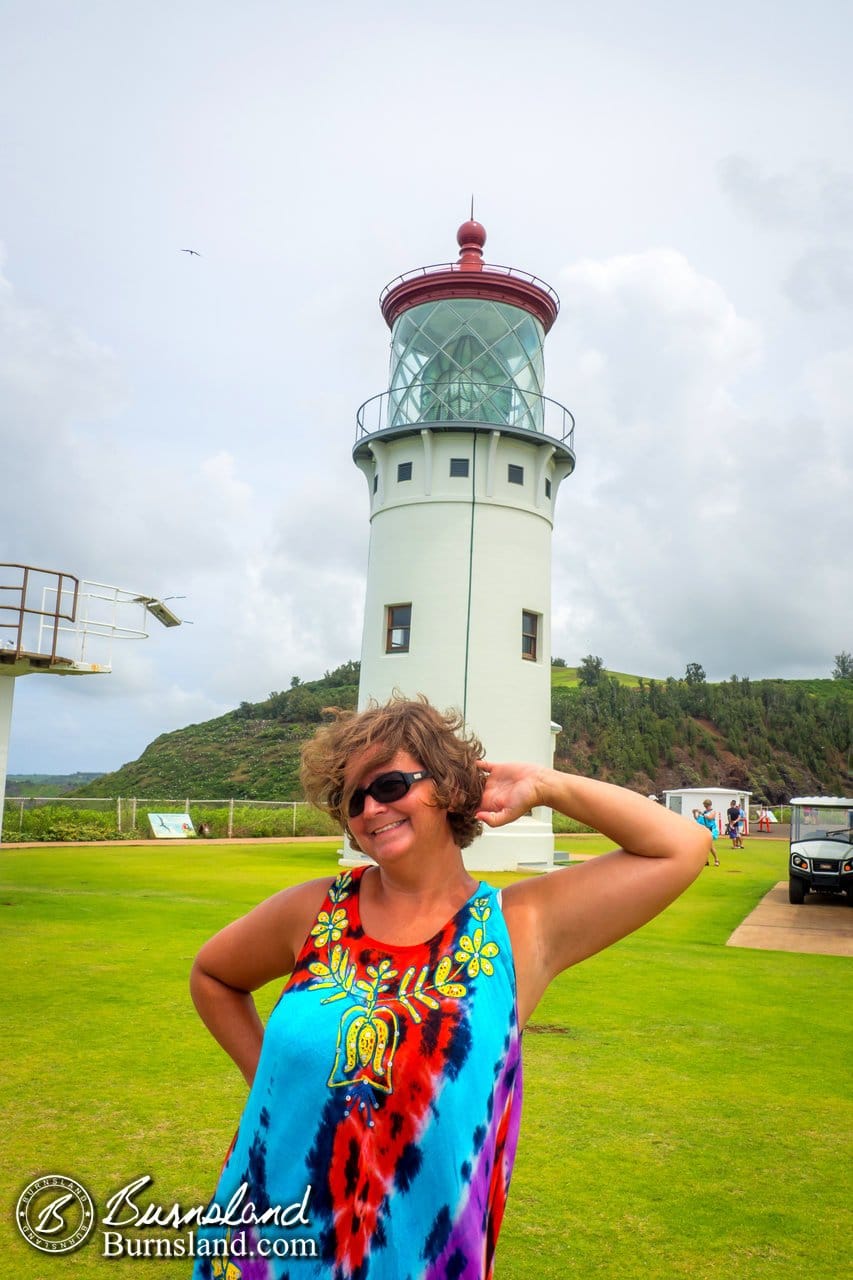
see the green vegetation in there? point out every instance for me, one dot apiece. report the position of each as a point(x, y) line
point(47, 784)
point(563, 677)
point(775, 738)
point(772, 737)
point(843, 669)
point(57, 822)
point(251, 753)
point(668, 1128)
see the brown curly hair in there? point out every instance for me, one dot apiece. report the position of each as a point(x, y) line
point(436, 740)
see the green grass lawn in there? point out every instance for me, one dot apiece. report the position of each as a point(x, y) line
point(686, 1108)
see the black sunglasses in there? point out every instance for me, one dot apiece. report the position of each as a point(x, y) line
point(385, 789)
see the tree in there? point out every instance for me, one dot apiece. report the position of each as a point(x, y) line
point(843, 666)
point(590, 671)
point(695, 673)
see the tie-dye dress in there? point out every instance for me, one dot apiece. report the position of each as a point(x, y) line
point(384, 1115)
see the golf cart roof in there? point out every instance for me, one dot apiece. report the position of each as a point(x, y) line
point(825, 802)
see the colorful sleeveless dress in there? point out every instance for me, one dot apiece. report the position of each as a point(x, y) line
point(384, 1115)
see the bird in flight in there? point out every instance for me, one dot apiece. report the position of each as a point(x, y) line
point(195, 251)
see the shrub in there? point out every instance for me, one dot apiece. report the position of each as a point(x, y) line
point(564, 826)
point(60, 823)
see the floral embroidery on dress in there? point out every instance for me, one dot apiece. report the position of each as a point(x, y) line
point(329, 928)
point(474, 952)
point(369, 1029)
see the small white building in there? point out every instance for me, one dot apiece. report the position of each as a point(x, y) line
point(686, 799)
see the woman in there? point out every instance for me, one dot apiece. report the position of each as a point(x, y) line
point(711, 819)
point(386, 1090)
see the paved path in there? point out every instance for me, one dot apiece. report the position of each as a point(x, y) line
point(822, 926)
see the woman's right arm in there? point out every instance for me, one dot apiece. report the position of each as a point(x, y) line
point(245, 955)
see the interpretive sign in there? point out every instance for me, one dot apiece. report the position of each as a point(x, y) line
point(171, 826)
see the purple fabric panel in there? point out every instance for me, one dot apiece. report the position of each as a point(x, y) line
point(470, 1221)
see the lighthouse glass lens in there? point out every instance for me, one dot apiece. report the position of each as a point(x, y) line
point(467, 360)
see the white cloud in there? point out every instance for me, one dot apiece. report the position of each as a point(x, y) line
point(812, 196)
point(821, 278)
point(657, 349)
point(685, 541)
point(51, 376)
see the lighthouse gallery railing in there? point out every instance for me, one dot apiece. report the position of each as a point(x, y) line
point(457, 401)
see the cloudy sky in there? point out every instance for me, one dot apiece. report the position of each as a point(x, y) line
point(178, 425)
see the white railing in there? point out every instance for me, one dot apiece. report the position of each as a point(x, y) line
point(56, 621)
point(463, 401)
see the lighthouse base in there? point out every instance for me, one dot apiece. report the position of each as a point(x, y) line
point(525, 845)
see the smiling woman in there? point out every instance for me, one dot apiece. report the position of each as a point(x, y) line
point(386, 1088)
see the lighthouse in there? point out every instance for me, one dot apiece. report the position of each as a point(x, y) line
point(463, 457)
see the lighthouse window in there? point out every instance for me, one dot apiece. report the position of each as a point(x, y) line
point(515, 474)
point(547, 488)
point(459, 466)
point(376, 482)
point(404, 470)
point(398, 626)
point(529, 635)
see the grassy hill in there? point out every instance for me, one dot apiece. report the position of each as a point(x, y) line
point(775, 738)
point(251, 753)
point(568, 678)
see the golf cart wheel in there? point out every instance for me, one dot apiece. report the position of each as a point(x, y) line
point(796, 891)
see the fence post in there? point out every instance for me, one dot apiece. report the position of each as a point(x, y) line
point(21, 818)
point(294, 819)
point(230, 817)
point(133, 813)
point(118, 813)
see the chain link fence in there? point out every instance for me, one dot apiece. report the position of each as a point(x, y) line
point(70, 818)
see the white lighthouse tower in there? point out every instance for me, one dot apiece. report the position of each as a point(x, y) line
point(463, 457)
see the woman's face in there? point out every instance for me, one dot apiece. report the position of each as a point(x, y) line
point(387, 832)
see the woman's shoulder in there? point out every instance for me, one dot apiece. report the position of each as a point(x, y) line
point(306, 897)
point(293, 910)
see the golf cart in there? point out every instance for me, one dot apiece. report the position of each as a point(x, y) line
point(821, 847)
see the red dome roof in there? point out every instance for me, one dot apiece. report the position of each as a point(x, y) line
point(470, 277)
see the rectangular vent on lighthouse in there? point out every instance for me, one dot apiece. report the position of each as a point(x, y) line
point(404, 470)
point(515, 474)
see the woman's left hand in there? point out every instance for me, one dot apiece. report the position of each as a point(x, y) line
point(510, 791)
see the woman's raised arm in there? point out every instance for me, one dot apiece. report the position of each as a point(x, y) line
point(558, 919)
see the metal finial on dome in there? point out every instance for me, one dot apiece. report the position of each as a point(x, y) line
point(471, 237)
